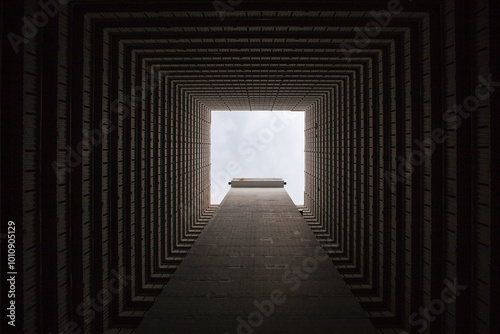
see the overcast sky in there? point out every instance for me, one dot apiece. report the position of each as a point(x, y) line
point(257, 144)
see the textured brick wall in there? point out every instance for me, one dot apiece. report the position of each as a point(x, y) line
point(134, 202)
point(395, 243)
point(118, 216)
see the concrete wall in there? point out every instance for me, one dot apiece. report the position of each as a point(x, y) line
point(114, 216)
point(398, 232)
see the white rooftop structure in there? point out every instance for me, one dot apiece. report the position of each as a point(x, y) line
point(257, 183)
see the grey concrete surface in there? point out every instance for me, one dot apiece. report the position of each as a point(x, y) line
point(256, 268)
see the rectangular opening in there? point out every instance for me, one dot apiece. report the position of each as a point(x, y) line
point(257, 144)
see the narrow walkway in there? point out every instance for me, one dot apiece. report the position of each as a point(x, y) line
point(256, 268)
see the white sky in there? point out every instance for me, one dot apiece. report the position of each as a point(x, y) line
point(257, 144)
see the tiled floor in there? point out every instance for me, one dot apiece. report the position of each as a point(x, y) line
point(256, 268)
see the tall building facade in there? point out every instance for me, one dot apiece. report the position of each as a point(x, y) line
point(105, 137)
point(256, 267)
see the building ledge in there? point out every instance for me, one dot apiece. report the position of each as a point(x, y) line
point(257, 183)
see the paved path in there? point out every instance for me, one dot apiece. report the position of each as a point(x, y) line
point(256, 268)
